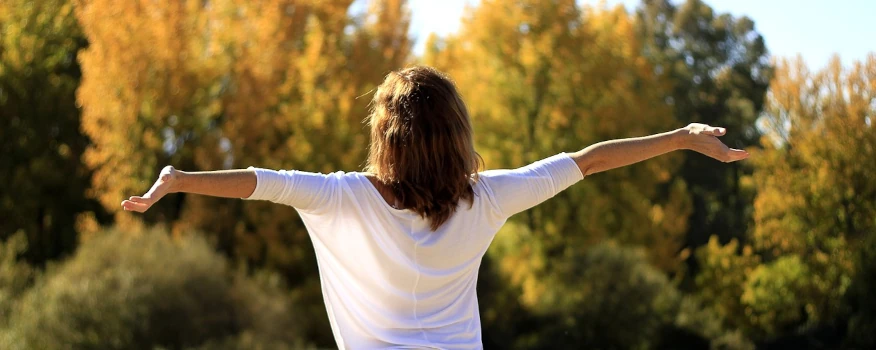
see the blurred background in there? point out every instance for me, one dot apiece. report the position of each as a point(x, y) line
point(680, 252)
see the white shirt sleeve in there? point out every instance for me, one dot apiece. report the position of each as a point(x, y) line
point(306, 191)
point(523, 188)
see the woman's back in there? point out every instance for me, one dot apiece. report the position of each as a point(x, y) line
point(388, 279)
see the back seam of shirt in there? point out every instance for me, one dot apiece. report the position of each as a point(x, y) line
point(417, 280)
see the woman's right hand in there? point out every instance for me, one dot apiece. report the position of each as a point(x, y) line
point(166, 183)
point(703, 138)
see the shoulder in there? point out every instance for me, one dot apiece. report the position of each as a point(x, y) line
point(341, 179)
point(358, 182)
point(484, 187)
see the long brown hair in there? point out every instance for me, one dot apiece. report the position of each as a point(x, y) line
point(421, 143)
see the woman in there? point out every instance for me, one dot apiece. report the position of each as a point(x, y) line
point(399, 245)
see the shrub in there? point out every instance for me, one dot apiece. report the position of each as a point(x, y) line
point(147, 290)
point(774, 295)
point(733, 340)
point(16, 276)
point(607, 297)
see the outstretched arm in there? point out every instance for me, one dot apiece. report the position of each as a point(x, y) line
point(617, 153)
point(222, 183)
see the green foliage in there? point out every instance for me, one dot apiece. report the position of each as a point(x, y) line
point(734, 340)
point(16, 277)
point(693, 316)
point(723, 272)
point(603, 297)
point(860, 304)
point(774, 296)
point(615, 300)
point(698, 319)
point(144, 290)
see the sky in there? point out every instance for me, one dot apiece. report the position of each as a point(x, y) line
point(815, 29)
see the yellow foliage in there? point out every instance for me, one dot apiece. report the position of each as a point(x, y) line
point(814, 185)
point(547, 77)
point(723, 272)
point(231, 84)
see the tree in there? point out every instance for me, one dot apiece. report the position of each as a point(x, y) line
point(231, 84)
point(42, 182)
point(814, 207)
point(815, 200)
point(719, 70)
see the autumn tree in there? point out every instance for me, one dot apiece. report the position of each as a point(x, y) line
point(719, 72)
point(813, 208)
point(42, 182)
point(271, 83)
point(816, 195)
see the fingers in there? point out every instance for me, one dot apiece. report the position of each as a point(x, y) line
point(705, 129)
point(138, 204)
point(160, 188)
point(710, 145)
point(707, 143)
point(715, 131)
point(139, 199)
point(135, 206)
point(736, 155)
point(731, 155)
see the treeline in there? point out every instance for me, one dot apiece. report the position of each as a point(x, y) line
point(676, 252)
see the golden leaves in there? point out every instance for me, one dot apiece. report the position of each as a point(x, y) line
point(230, 83)
point(545, 77)
point(815, 195)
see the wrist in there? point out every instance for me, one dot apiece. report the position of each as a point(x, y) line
point(180, 179)
point(174, 179)
point(680, 138)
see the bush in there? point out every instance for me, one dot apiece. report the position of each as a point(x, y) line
point(774, 296)
point(733, 340)
point(16, 276)
point(701, 321)
point(607, 297)
point(146, 290)
point(723, 272)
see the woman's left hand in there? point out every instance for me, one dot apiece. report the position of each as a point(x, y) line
point(703, 138)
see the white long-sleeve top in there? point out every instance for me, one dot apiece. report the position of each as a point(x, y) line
point(389, 281)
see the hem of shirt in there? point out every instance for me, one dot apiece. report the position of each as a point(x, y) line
point(580, 172)
point(252, 196)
